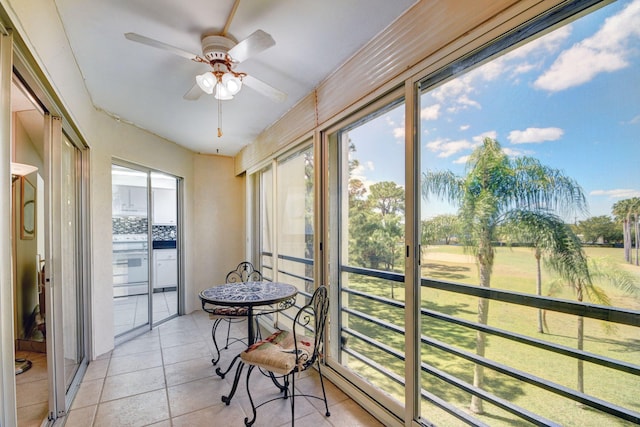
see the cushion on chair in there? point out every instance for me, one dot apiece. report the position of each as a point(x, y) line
point(276, 352)
point(217, 312)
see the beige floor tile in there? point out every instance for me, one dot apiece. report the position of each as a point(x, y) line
point(314, 419)
point(88, 393)
point(277, 412)
point(81, 417)
point(179, 339)
point(196, 395)
point(186, 352)
point(349, 414)
point(145, 343)
point(96, 369)
point(189, 370)
point(129, 384)
point(135, 362)
point(311, 385)
point(213, 415)
point(32, 392)
point(139, 410)
point(32, 415)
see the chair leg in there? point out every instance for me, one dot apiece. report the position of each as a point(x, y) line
point(248, 422)
point(215, 343)
point(227, 399)
point(324, 394)
point(293, 399)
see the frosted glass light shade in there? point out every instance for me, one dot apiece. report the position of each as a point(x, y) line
point(206, 82)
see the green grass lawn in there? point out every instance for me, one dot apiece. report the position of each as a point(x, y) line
point(514, 269)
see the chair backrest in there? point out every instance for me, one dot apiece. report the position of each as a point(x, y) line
point(244, 272)
point(313, 315)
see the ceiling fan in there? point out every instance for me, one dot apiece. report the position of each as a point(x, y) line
point(222, 54)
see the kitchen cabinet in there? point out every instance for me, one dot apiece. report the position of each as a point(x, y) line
point(164, 206)
point(165, 268)
point(129, 200)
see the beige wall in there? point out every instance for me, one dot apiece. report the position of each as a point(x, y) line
point(207, 226)
point(218, 223)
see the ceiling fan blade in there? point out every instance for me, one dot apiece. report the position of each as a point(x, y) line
point(193, 93)
point(160, 45)
point(264, 89)
point(252, 45)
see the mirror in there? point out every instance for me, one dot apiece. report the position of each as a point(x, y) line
point(27, 210)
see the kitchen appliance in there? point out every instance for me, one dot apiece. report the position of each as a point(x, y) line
point(130, 265)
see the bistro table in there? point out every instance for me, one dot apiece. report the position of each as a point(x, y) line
point(273, 296)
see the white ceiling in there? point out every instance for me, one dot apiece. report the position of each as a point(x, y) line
point(144, 85)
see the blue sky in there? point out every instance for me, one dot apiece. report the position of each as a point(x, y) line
point(570, 98)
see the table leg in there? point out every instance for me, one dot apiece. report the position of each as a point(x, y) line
point(250, 338)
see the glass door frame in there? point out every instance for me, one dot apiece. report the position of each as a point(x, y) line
point(179, 245)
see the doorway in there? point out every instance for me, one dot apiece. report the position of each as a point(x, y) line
point(47, 253)
point(145, 226)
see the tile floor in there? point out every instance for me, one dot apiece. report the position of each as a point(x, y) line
point(32, 390)
point(165, 378)
point(132, 311)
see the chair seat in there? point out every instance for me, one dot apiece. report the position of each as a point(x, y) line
point(276, 352)
point(218, 311)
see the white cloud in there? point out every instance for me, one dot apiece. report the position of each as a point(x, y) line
point(535, 135)
point(635, 120)
point(606, 51)
point(370, 166)
point(513, 152)
point(461, 160)
point(465, 127)
point(618, 193)
point(488, 134)
point(398, 133)
point(447, 148)
point(431, 112)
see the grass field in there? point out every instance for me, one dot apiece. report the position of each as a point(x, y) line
point(514, 269)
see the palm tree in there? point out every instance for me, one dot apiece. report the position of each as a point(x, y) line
point(581, 275)
point(494, 188)
point(547, 234)
point(627, 212)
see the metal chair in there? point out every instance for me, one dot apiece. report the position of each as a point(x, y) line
point(284, 353)
point(244, 272)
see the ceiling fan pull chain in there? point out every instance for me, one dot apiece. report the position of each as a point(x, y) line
point(219, 118)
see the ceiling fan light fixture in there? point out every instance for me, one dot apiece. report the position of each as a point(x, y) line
point(222, 93)
point(231, 83)
point(206, 82)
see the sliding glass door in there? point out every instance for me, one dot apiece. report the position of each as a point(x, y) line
point(367, 248)
point(145, 247)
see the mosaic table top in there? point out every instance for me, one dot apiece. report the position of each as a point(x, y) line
point(248, 293)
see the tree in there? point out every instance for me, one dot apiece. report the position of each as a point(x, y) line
point(548, 234)
point(627, 212)
point(375, 225)
point(581, 275)
point(441, 228)
point(494, 188)
point(599, 227)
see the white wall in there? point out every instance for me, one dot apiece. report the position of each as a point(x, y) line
point(38, 24)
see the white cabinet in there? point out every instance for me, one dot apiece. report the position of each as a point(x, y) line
point(129, 200)
point(165, 268)
point(164, 206)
